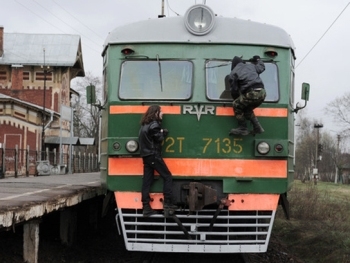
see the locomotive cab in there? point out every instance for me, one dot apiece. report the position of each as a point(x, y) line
point(227, 187)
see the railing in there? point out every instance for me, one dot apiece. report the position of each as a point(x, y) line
point(24, 162)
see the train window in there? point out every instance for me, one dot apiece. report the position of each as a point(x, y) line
point(217, 70)
point(153, 80)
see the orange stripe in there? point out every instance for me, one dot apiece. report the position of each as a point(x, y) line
point(133, 200)
point(266, 112)
point(248, 202)
point(204, 167)
point(241, 202)
point(142, 109)
point(220, 111)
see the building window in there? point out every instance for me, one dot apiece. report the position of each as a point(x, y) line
point(26, 75)
point(40, 76)
point(3, 75)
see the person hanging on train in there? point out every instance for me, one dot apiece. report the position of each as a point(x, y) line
point(151, 135)
point(248, 93)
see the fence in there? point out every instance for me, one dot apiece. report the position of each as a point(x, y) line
point(25, 162)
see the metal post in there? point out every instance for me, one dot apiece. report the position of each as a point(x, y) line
point(99, 136)
point(43, 115)
point(27, 160)
point(162, 10)
point(2, 167)
point(60, 150)
point(70, 144)
point(337, 161)
point(4, 158)
point(16, 161)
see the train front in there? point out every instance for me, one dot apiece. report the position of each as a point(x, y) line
point(227, 187)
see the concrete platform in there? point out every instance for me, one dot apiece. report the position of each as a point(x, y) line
point(23, 199)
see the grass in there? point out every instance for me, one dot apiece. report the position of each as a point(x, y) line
point(319, 228)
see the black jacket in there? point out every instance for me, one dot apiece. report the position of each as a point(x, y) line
point(245, 76)
point(150, 139)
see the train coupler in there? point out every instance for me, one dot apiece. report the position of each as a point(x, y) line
point(199, 195)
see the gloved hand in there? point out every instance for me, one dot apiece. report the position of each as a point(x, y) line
point(165, 132)
point(254, 59)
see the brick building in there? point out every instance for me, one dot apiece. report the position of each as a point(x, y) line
point(28, 63)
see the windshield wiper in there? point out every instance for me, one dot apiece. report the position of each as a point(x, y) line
point(160, 74)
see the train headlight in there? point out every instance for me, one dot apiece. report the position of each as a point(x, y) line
point(132, 146)
point(199, 19)
point(263, 148)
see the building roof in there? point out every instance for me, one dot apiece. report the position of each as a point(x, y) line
point(77, 141)
point(28, 49)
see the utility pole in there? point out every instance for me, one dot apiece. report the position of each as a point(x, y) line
point(43, 119)
point(315, 173)
point(337, 161)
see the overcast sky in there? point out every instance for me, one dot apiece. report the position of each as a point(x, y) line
point(326, 67)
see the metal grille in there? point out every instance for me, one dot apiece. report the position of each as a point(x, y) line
point(231, 232)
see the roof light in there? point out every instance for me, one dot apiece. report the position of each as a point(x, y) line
point(127, 51)
point(199, 20)
point(271, 53)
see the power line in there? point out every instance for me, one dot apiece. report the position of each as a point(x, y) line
point(39, 16)
point(53, 24)
point(324, 34)
point(102, 38)
point(64, 22)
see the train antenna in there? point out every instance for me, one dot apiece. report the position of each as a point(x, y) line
point(162, 12)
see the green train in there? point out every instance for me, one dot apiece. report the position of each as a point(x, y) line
point(227, 188)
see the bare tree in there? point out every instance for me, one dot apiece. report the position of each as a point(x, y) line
point(306, 158)
point(340, 111)
point(87, 117)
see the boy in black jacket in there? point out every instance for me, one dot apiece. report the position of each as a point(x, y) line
point(245, 81)
point(151, 136)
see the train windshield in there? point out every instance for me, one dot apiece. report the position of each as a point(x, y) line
point(154, 80)
point(217, 70)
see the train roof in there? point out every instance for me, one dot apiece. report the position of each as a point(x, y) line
point(225, 31)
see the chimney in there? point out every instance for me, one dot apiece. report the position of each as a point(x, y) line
point(17, 77)
point(1, 41)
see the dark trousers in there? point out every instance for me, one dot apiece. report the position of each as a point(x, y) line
point(155, 163)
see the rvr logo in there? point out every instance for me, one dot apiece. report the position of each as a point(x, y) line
point(198, 110)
